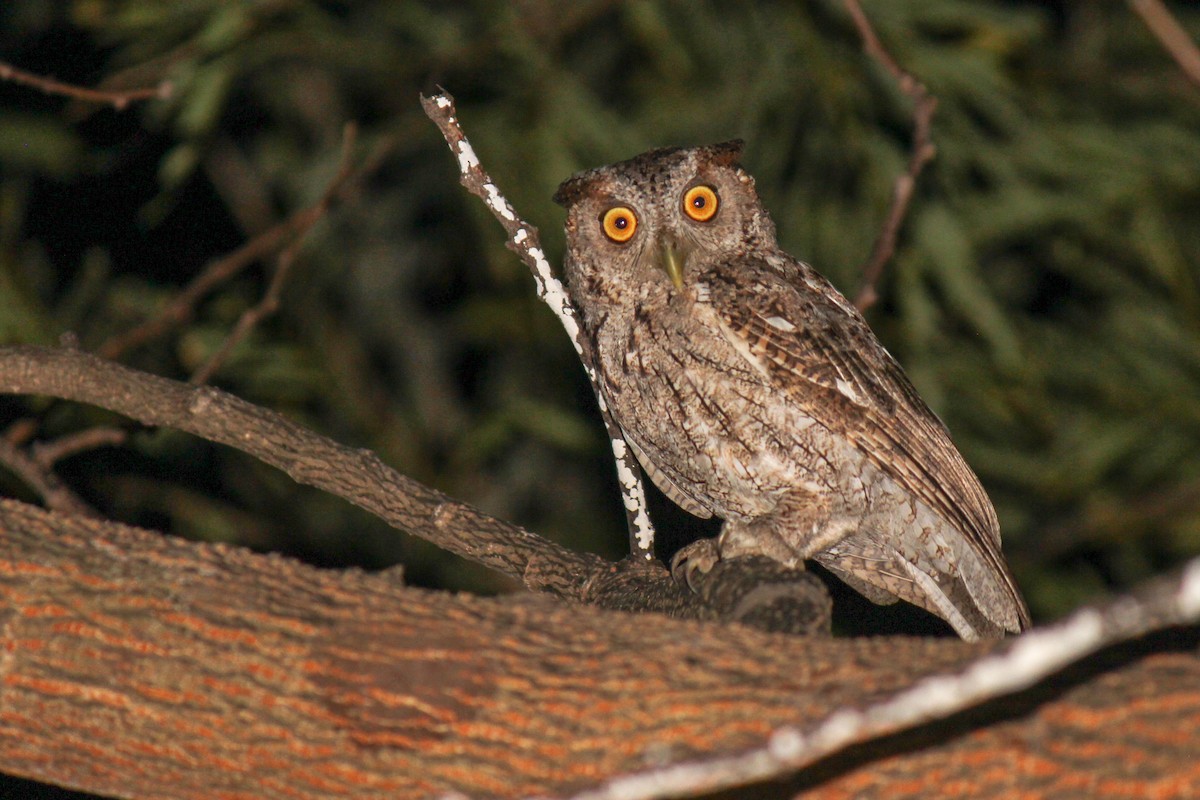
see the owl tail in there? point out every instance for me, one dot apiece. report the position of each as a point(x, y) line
point(882, 575)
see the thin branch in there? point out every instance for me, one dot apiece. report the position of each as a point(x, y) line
point(250, 318)
point(523, 240)
point(118, 100)
point(54, 493)
point(1030, 658)
point(923, 151)
point(181, 308)
point(47, 454)
point(21, 431)
point(1171, 35)
point(304, 223)
point(35, 467)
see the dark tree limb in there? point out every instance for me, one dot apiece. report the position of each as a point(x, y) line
point(269, 303)
point(36, 469)
point(361, 478)
point(181, 307)
point(923, 151)
point(47, 454)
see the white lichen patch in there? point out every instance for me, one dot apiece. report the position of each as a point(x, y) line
point(497, 203)
point(467, 160)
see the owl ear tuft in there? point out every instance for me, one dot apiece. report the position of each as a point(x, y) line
point(725, 154)
point(570, 190)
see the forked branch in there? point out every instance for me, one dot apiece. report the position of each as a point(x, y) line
point(287, 233)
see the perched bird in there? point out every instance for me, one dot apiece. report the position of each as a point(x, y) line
point(750, 389)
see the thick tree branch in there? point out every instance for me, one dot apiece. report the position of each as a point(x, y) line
point(923, 151)
point(138, 666)
point(1022, 663)
point(308, 458)
point(523, 240)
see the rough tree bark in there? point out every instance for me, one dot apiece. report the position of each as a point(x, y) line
point(144, 666)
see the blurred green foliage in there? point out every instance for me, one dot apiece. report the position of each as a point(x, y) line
point(1045, 296)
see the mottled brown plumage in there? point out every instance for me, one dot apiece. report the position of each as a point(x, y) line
point(750, 389)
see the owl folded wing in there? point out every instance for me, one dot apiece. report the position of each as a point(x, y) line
point(820, 350)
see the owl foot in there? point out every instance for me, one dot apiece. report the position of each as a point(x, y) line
point(754, 590)
point(694, 561)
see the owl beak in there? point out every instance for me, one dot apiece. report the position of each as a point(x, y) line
point(672, 263)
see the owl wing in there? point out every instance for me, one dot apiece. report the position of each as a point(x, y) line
point(664, 483)
point(821, 352)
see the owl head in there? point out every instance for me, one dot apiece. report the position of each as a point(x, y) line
point(658, 217)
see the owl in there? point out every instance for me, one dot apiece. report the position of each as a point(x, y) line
point(750, 389)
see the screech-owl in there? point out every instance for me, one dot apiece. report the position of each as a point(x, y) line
point(750, 389)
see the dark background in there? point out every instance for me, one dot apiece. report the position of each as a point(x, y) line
point(1045, 296)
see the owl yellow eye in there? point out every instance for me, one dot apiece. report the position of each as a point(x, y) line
point(619, 223)
point(700, 203)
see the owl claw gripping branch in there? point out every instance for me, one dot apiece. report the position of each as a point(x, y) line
point(750, 389)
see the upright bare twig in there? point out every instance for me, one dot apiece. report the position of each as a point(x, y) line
point(1170, 33)
point(118, 100)
point(923, 151)
point(523, 240)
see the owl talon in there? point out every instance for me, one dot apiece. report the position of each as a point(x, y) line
point(694, 561)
